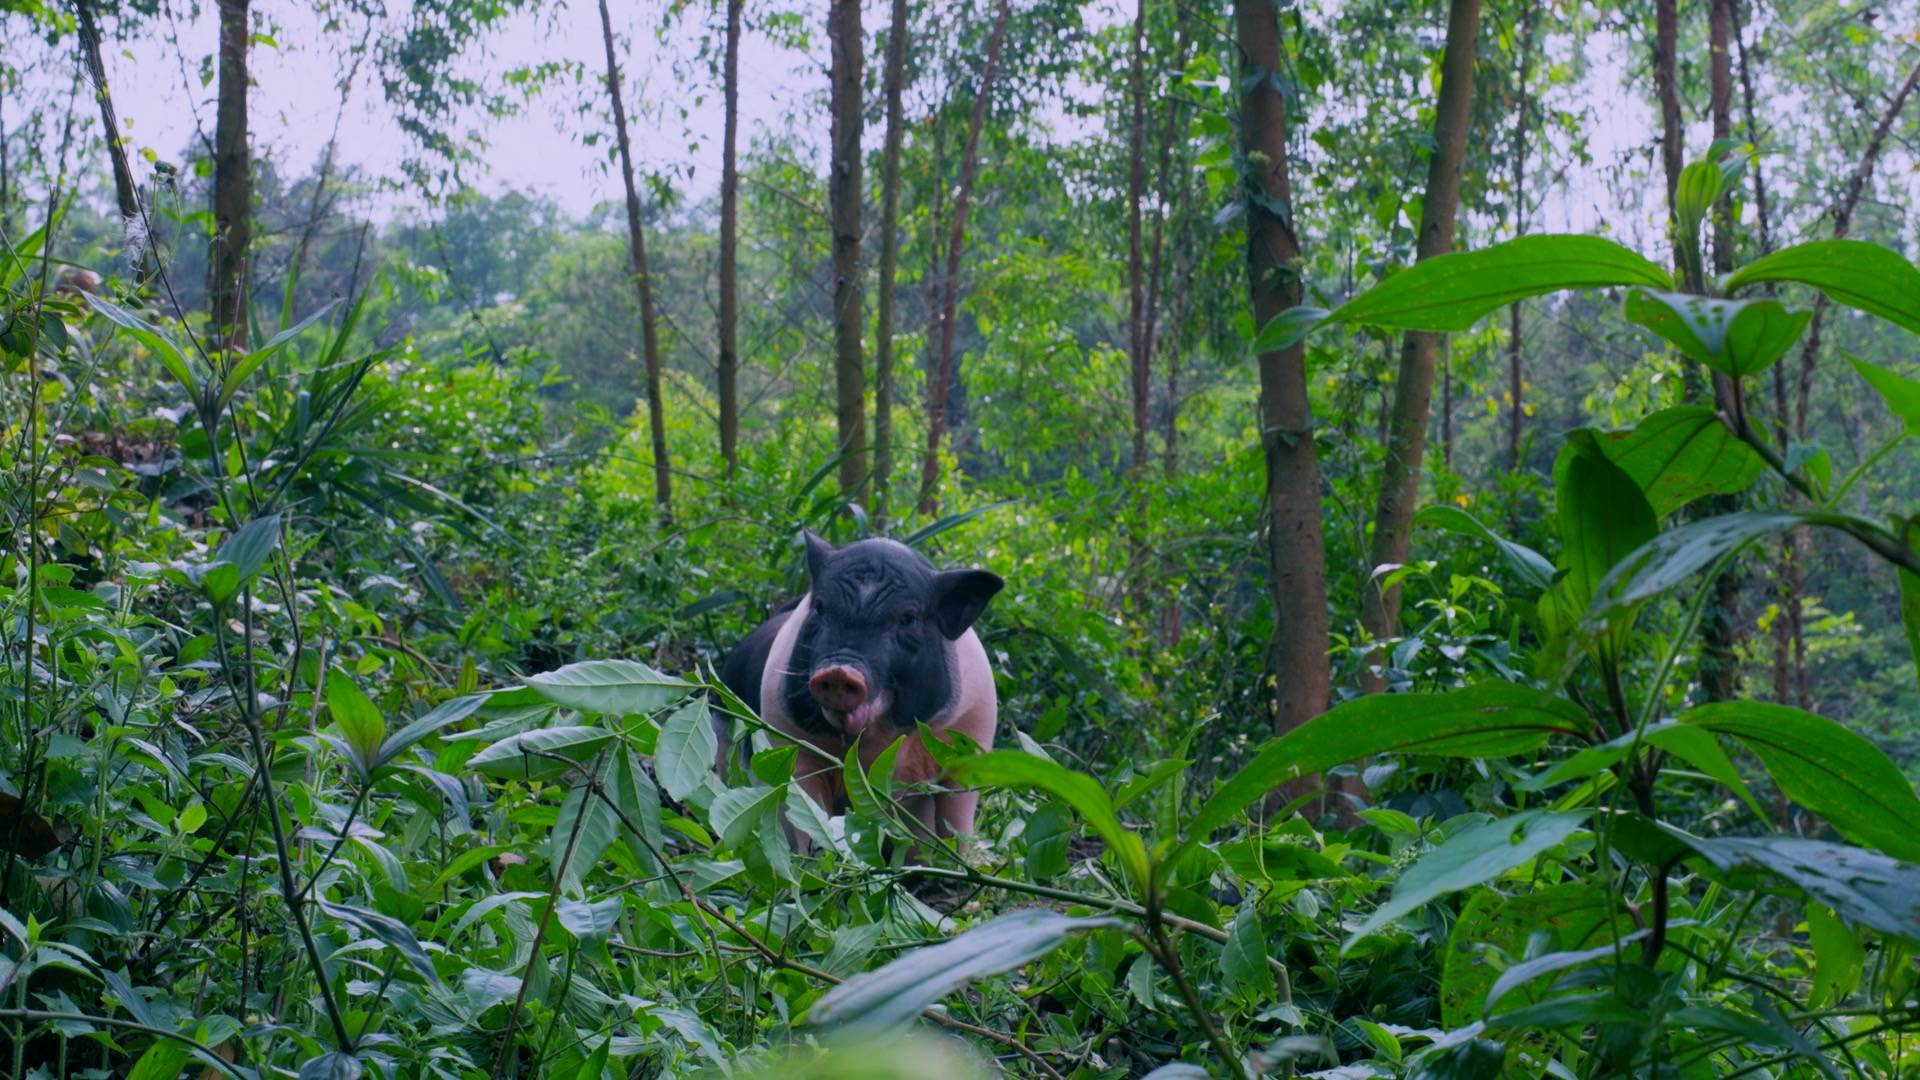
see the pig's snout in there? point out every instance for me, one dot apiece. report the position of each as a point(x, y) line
point(839, 688)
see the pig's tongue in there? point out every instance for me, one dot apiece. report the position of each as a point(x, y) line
point(864, 715)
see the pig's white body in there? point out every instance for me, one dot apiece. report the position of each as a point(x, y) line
point(974, 711)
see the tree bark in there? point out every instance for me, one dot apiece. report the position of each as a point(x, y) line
point(1666, 34)
point(843, 191)
point(1413, 393)
point(729, 373)
point(883, 378)
point(938, 386)
point(126, 194)
point(1296, 558)
point(232, 184)
point(1721, 632)
point(1516, 385)
point(1140, 367)
point(642, 280)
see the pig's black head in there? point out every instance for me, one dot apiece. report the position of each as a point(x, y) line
point(877, 644)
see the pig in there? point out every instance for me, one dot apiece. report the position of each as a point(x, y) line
point(880, 643)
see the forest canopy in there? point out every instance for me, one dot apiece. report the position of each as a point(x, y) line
point(943, 538)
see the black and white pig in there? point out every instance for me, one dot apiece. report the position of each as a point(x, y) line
point(880, 643)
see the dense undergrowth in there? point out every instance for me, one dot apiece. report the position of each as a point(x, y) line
point(356, 722)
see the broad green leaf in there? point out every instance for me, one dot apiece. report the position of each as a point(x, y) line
point(1737, 338)
point(610, 687)
point(1496, 929)
point(1527, 564)
point(359, 720)
point(1680, 454)
point(1826, 768)
point(164, 1060)
point(245, 552)
point(525, 756)
point(590, 922)
point(1452, 292)
point(1243, 959)
point(633, 791)
point(1604, 518)
point(1863, 887)
point(1048, 830)
point(1690, 744)
point(332, 1065)
point(1901, 394)
point(595, 1067)
point(1677, 554)
point(445, 714)
point(388, 930)
point(249, 362)
point(1473, 856)
point(157, 343)
point(1015, 769)
point(1838, 957)
point(1866, 276)
point(688, 747)
point(597, 827)
point(1492, 719)
point(1526, 971)
point(895, 994)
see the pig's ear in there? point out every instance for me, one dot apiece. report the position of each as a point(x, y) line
point(818, 551)
point(959, 596)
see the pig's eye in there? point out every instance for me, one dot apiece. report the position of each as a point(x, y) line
point(908, 618)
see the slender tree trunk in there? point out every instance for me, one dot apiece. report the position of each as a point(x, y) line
point(729, 373)
point(883, 378)
point(1666, 35)
point(232, 183)
point(1296, 570)
point(126, 194)
point(1516, 385)
point(1413, 393)
point(1446, 408)
point(938, 387)
point(1720, 635)
point(1137, 350)
point(642, 280)
point(843, 190)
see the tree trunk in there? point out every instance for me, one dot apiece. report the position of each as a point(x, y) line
point(1446, 408)
point(895, 80)
point(843, 191)
point(1516, 385)
point(1413, 393)
point(642, 280)
point(232, 184)
point(1721, 631)
point(1296, 559)
point(938, 386)
point(729, 373)
point(1137, 349)
point(126, 194)
point(1666, 34)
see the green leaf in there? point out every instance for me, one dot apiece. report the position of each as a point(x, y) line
point(1901, 394)
point(1838, 957)
point(1688, 743)
point(164, 1060)
point(1604, 518)
point(1527, 564)
point(249, 362)
point(1864, 887)
point(1734, 337)
point(1492, 719)
point(515, 757)
point(688, 747)
point(1452, 292)
point(1286, 329)
point(1016, 769)
point(610, 687)
point(895, 994)
point(157, 343)
point(1680, 454)
point(1495, 929)
point(245, 552)
point(1866, 276)
point(332, 1065)
point(595, 1067)
point(1048, 830)
point(390, 931)
point(359, 720)
point(1243, 959)
point(1826, 768)
point(1910, 613)
point(443, 715)
point(590, 923)
point(1677, 554)
point(597, 829)
point(1473, 856)
point(634, 793)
